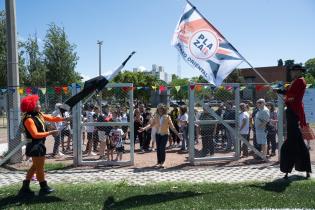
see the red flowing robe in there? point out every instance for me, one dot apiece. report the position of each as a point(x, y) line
point(294, 99)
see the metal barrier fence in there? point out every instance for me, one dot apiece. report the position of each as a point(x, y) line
point(216, 119)
point(103, 128)
point(213, 132)
point(49, 97)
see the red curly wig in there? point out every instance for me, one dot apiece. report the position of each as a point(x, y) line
point(28, 103)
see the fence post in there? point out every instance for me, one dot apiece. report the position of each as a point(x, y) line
point(191, 120)
point(280, 124)
point(131, 126)
point(76, 124)
point(237, 115)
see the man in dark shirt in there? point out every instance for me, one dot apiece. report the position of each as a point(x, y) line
point(229, 114)
point(206, 132)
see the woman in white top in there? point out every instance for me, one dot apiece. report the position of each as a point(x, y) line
point(183, 126)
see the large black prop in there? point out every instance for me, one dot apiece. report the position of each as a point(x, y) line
point(95, 84)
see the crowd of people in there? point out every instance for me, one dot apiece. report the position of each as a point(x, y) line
point(257, 123)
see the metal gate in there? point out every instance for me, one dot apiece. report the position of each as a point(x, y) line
point(214, 115)
point(116, 98)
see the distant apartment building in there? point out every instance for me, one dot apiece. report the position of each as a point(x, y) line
point(156, 71)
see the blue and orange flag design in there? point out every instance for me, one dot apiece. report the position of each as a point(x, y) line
point(203, 47)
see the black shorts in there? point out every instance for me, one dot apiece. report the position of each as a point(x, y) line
point(34, 149)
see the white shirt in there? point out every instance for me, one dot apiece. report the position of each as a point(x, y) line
point(184, 118)
point(89, 116)
point(58, 125)
point(117, 134)
point(245, 130)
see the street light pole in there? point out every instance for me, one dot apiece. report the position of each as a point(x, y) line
point(100, 43)
point(13, 98)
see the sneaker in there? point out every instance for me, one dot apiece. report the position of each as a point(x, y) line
point(61, 154)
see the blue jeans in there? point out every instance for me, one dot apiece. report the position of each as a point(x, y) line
point(185, 142)
point(161, 141)
point(56, 144)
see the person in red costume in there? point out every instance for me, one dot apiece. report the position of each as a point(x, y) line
point(294, 152)
point(36, 132)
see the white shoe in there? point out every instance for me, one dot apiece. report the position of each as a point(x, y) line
point(92, 154)
point(61, 154)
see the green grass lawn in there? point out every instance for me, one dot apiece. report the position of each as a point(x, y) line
point(278, 194)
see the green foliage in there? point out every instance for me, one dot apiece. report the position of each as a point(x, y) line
point(271, 95)
point(280, 62)
point(139, 79)
point(279, 194)
point(310, 67)
point(199, 79)
point(223, 94)
point(60, 57)
point(309, 78)
point(35, 67)
point(182, 94)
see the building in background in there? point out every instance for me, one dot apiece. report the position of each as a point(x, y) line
point(156, 71)
point(253, 82)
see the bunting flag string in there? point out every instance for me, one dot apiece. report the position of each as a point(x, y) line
point(21, 91)
point(43, 90)
point(198, 87)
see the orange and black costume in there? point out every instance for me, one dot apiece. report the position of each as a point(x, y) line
point(36, 132)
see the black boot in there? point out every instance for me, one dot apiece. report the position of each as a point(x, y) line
point(25, 189)
point(308, 175)
point(44, 188)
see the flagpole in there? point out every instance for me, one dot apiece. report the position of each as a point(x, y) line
point(217, 31)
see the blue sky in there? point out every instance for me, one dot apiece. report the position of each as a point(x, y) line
point(262, 30)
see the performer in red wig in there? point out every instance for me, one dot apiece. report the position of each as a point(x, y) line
point(36, 132)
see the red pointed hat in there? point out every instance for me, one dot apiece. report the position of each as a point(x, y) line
point(28, 103)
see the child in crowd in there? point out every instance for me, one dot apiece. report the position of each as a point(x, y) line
point(116, 142)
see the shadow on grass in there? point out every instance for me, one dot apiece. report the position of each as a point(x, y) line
point(16, 200)
point(279, 185)
point(143, 200)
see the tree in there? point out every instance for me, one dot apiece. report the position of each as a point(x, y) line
point(309, 78)
point(182, 94)
point(199, 79)
point(310, 66)
point(139, 79)
point(280, 62)
point(36, 70)
point(60, 57)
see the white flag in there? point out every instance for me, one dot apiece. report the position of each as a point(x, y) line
point(203, 47)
